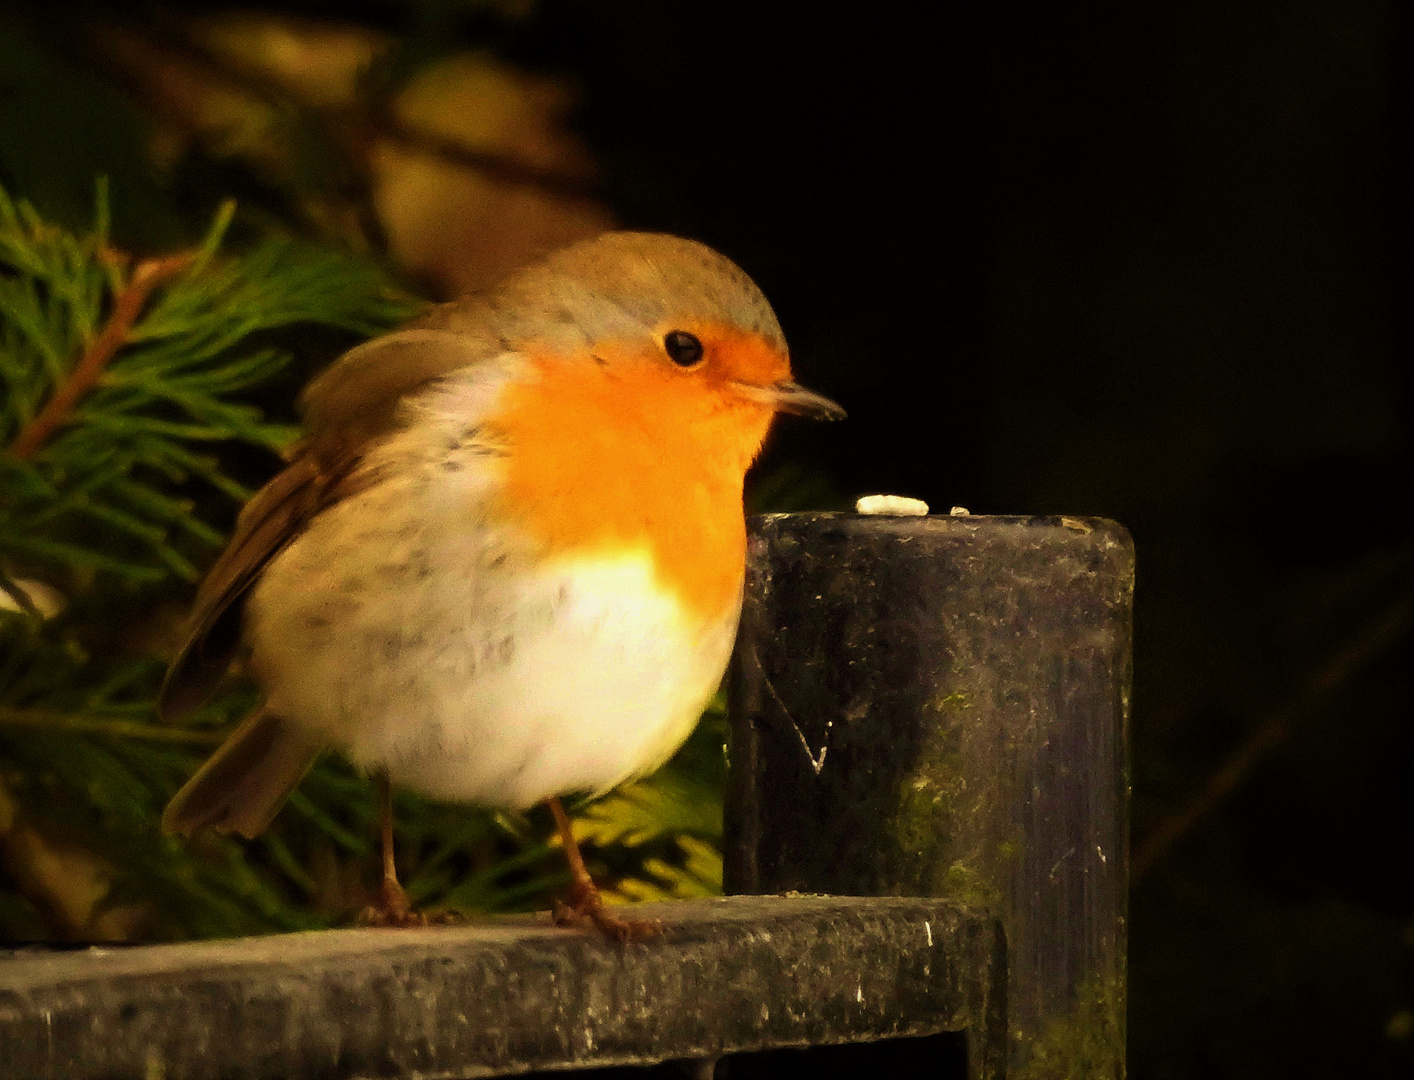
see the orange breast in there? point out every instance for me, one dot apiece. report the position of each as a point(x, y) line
point(631, 455)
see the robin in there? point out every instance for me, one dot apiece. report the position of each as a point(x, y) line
point(506, 562)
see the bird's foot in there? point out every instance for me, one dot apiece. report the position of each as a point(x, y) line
point(586, 907)
point(395, 909)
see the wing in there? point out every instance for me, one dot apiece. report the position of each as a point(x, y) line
point(274, 517)
point(350, 406)
point(356, 399)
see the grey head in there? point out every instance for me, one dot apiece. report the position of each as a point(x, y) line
point(619, 284)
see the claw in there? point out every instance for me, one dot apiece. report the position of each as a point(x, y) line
point(392, 909)
point(586, 907)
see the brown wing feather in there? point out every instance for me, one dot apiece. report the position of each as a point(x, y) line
point(272, 518)
point(244, 784)
point(356, 398)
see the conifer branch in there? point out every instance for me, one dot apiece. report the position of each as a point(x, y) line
point(127, 307)
point(123, 397)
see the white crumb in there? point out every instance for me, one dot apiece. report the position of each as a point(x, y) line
point(891, 504)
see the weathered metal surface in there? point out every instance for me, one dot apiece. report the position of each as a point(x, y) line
point(939, 707)
point(730, 975)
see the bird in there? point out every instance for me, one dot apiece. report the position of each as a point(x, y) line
point(505, 563)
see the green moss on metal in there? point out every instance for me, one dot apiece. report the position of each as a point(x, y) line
point(957, 699)
point(948, 814)
point(964, 882)
point(924, 803)
point(1087, 1042)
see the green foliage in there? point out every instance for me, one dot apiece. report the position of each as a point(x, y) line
point(104, 493)
point(101, 526)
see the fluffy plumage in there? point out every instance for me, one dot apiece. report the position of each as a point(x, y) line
point(506, 563)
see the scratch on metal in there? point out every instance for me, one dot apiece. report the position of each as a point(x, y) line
point(816, 763)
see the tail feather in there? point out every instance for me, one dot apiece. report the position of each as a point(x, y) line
point(243, 785)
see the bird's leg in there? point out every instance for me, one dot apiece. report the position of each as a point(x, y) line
point(394, 899)
point(393, 907)
point(585, 902)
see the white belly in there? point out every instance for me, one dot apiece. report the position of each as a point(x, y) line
point(442, 655)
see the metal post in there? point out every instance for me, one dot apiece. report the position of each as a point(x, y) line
point(939, 707)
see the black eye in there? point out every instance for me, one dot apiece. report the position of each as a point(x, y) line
point(683, 349)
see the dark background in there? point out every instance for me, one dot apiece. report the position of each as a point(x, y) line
point(1145, 261)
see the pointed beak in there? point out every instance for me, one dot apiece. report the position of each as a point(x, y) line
point(792, 398)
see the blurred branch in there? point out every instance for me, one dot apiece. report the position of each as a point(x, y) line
point(1368, 646)
point(131, 56)
point(124, 729)
point(495, 166)
point(356, 127)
